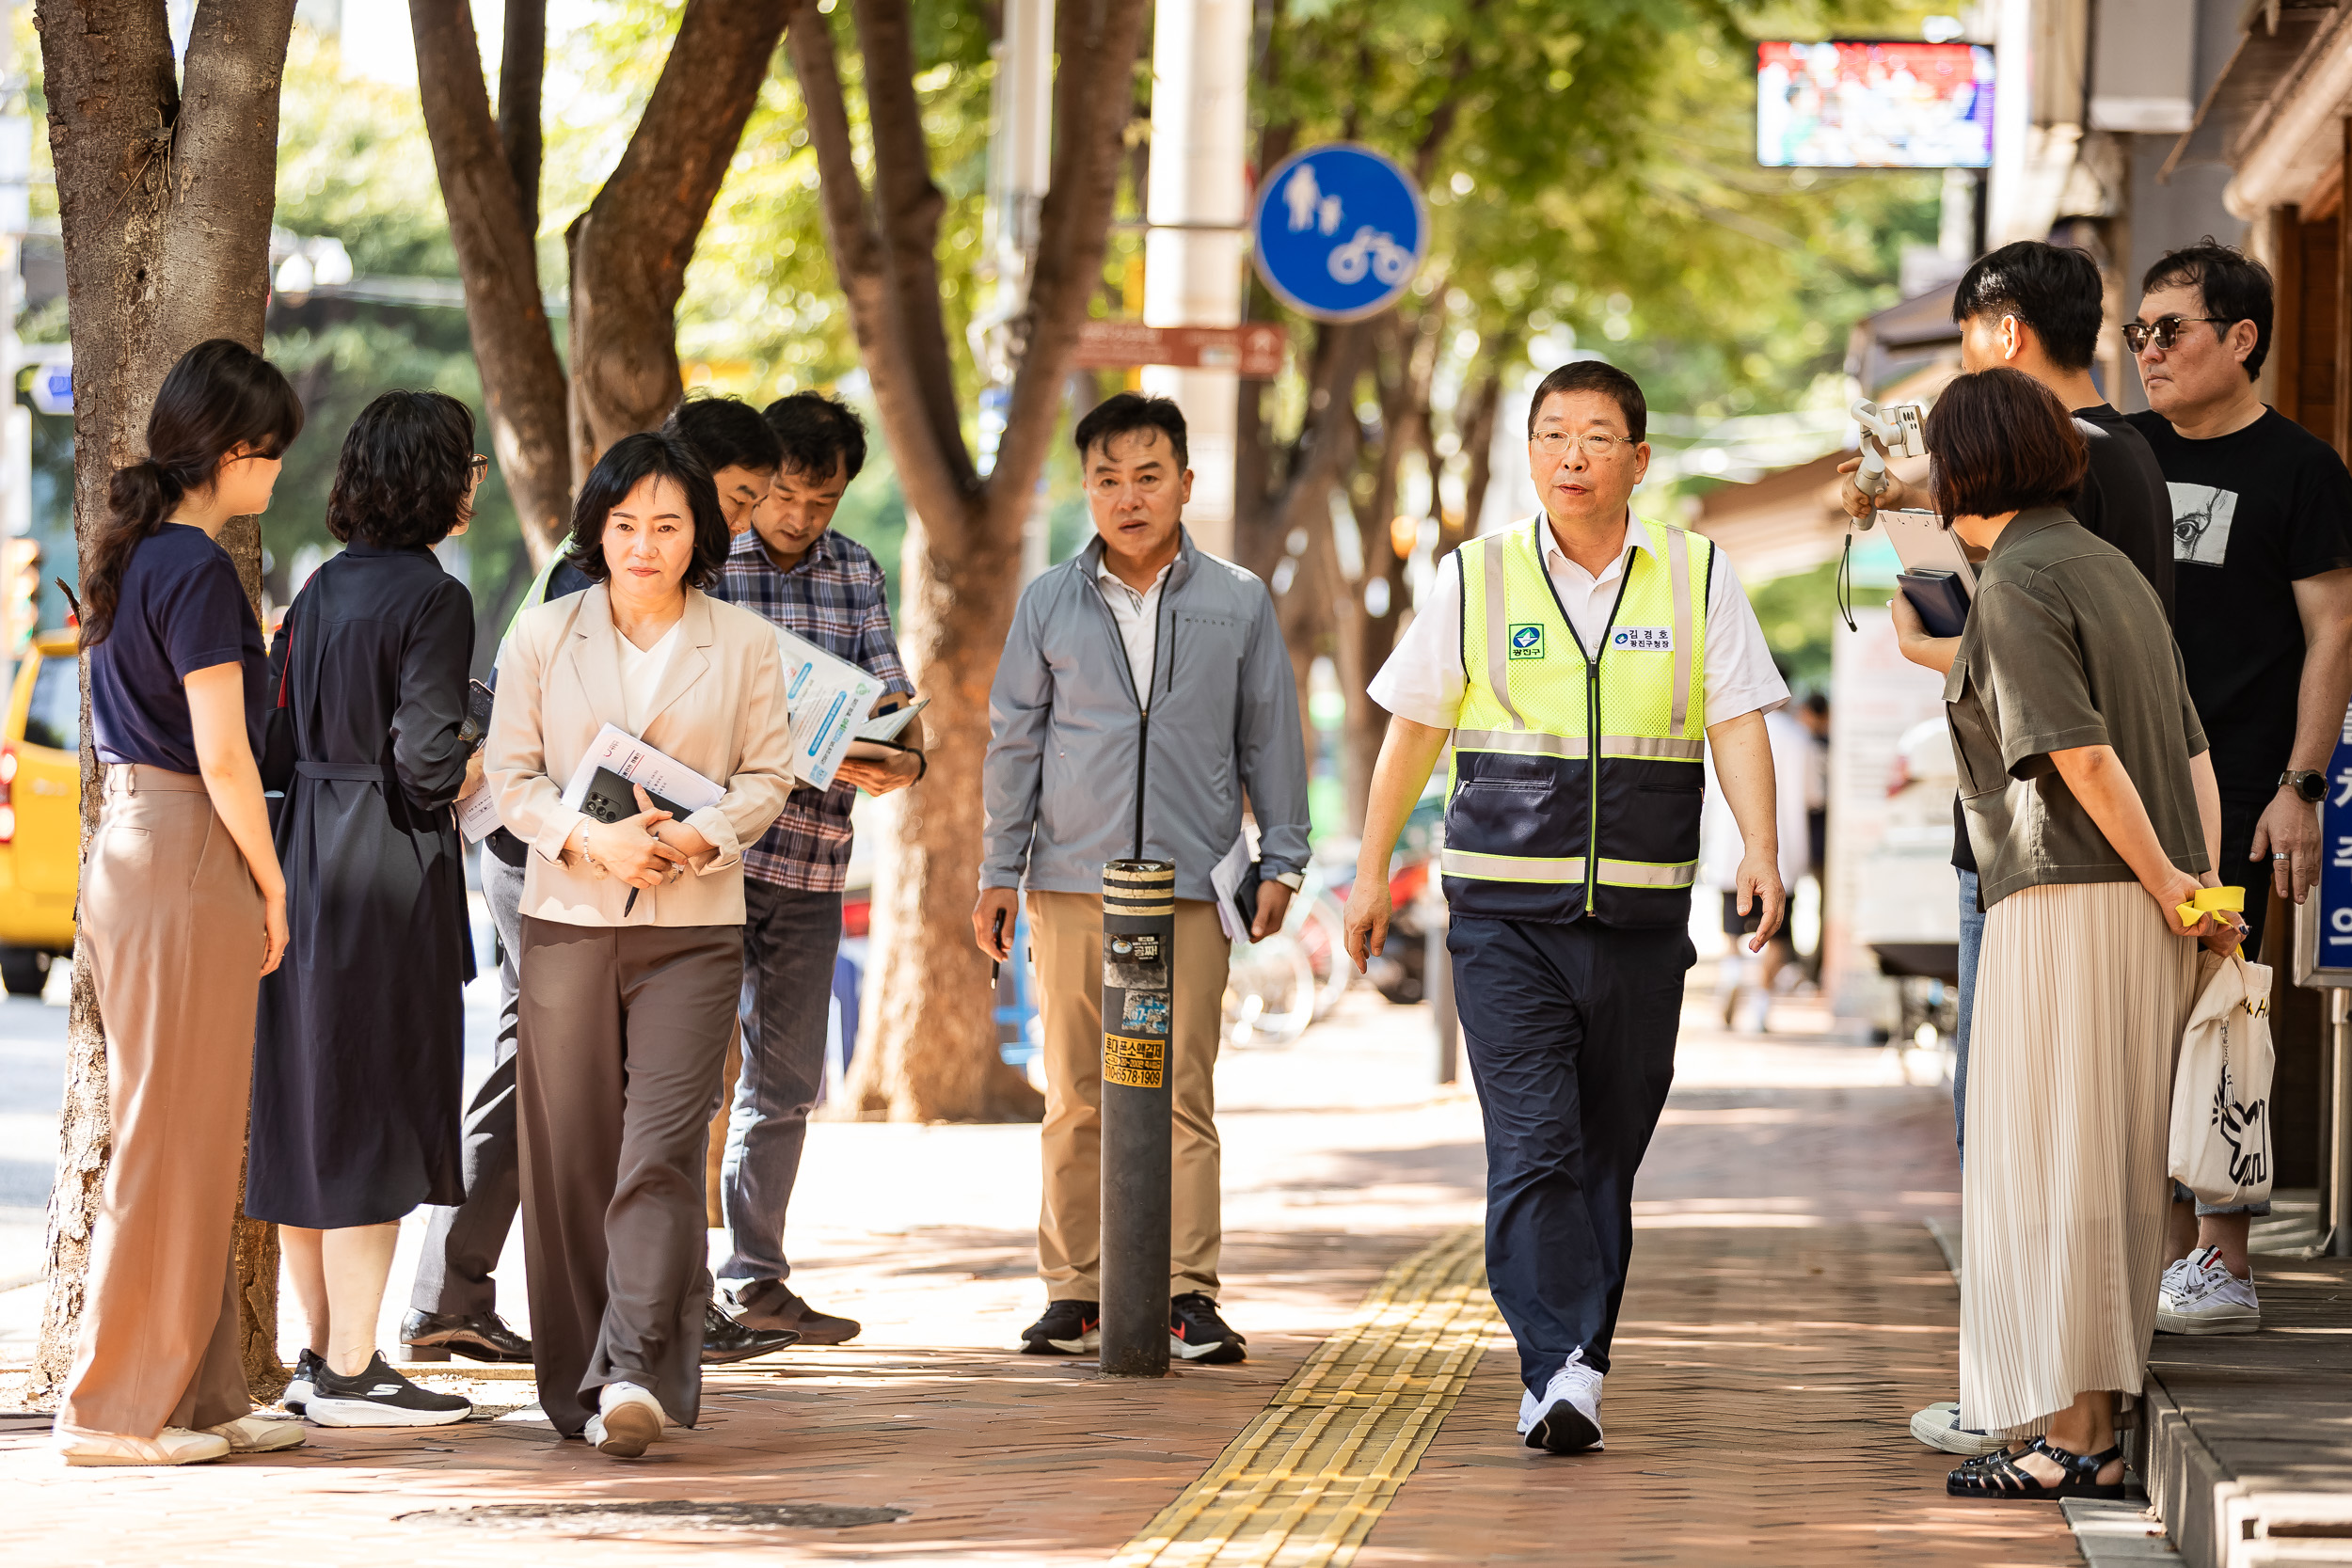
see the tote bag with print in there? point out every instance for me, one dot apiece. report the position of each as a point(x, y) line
point(2220, 1145)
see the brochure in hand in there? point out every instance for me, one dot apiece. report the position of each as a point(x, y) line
point(678, 788)
point(827, 699)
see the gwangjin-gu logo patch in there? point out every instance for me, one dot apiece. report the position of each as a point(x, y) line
point(1644, 640)
point(1527, 640)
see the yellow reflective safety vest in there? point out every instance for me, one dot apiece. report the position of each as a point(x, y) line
point(1578, 772)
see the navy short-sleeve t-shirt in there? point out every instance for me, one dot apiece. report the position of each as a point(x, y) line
point(181, 610)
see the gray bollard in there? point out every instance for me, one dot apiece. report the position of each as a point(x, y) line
point(1139, 965)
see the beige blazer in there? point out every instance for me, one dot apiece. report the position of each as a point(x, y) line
point(720, 709)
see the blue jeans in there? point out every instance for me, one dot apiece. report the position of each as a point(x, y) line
point(1971, 945)
point(790, 938)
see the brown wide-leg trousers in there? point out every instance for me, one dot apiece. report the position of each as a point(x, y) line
point(172, 921)
point(1066, 929)
point(621, 1030)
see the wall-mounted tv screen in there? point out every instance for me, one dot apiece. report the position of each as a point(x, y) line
point(1861, 104)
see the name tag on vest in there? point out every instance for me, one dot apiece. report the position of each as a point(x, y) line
point(1644, 640)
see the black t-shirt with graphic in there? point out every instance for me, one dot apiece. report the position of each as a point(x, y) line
point(2123, 502)
point(2254, 513)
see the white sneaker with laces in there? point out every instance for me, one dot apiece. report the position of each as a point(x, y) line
point(1567, 1419)
point(628, 1420)
point(258, 1434)
point(2206, 1298)
point(1938, 1426)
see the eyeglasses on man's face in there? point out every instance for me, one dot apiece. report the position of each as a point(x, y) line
point(2164, 329)
point(1594, 444)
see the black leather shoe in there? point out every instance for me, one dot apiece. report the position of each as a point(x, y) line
point(771, 1304)
point(724, 1339)
point(475, 1336)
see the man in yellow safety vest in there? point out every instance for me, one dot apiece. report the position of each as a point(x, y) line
point(1577, 663)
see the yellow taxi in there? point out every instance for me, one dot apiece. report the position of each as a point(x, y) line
point(41, 812)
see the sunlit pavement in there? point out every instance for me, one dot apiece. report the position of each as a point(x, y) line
point(1787, 1311)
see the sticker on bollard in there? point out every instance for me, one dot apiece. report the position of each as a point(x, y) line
point(1134, 961)
point(1137, 1064)
point(1147, 1013)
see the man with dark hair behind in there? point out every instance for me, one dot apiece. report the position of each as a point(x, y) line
point(1094, 647)
point(793, 568)
point(2261, 542)
point(2034, 308)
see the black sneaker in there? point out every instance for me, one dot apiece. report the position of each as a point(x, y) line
point(1068, 1328)
point(1195, 1333)
point(379, 1397)
point(297, 1395)
point(771, 1304)
point(475, 1336)
point(724, 1339)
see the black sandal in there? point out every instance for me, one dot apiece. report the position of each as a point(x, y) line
point(1998, 1478)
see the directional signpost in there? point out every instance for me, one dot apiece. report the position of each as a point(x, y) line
point(1339, 232)
point(2323, 959)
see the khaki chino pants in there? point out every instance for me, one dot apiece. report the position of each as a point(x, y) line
point(171, 919)
point(1066, 935)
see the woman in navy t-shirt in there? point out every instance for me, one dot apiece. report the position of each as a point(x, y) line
point(184, 909)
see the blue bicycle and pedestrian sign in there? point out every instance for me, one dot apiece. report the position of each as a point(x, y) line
point(1339, 232)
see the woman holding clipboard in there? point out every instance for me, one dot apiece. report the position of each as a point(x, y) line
point(633, 943)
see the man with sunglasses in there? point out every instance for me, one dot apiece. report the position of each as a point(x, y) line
point(2261, 542)
point(1581, 664)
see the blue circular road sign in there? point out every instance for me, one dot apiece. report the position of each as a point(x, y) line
point(1339, 232)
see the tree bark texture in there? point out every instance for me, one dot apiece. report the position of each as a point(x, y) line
point(522, 380)
point(522, 70)
point(930, 1049)
point(165, 199)
point(629, 250)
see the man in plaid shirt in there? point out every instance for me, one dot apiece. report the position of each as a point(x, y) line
point(812, 582)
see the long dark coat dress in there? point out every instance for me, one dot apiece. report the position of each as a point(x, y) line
point(359, 1057)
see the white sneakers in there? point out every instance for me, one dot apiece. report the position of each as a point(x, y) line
point(1938, 1426)
point(1568, 1419)
point(171, 1446)
point(2200, 1296)
point(628, 1420)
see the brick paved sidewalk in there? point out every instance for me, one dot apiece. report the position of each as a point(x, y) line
point(1787, 1313)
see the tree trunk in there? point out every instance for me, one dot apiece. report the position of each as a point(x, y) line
point(522, 381)
point(522, 70)
point(629, 250)
point(930, 1049)
point(164, 202)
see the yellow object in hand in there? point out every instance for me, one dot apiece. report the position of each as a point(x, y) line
point(2210, 899)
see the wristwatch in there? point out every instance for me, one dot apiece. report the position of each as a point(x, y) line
point(2309, 786)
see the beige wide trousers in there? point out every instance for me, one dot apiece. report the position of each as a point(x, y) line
point(172, 920)
point(2081, 996)
point(1066, 932)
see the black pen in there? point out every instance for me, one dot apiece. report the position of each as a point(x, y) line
point(996, 939)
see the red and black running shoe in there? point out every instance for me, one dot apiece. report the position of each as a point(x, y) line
point(1195, 1333)
point(1068, 1328)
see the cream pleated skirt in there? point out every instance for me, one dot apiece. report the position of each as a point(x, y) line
point(2082, 992)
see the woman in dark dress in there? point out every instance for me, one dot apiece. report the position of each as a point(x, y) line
point(359, 1053)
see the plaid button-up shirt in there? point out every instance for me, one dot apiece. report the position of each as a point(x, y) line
point(834, 598)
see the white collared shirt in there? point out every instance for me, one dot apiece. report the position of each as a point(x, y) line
point(1137, 617)
point(1423, 679)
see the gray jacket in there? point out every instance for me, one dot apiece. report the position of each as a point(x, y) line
point(1064, 723)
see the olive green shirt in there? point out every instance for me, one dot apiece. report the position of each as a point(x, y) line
point(2066, 646)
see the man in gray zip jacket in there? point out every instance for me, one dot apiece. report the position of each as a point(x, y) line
point(1141, 668)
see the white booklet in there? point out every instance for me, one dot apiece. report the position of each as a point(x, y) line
point(639, 764)
point(827, 700)
point(1225, 880)
point(477, 814)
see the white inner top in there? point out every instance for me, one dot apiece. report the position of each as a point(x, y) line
point(1137, 616)
point(640, 677)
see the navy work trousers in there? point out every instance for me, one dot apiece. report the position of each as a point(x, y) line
point(1571, 1035)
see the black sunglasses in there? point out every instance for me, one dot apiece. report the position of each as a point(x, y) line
point(2164, 329)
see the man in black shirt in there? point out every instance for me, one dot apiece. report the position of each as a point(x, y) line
point(2262, 543)
point(2034, 308)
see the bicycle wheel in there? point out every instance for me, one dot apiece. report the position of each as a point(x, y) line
point(1269, 992)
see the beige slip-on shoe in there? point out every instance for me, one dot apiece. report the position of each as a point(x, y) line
point(171, 1446)
point(258, 1434)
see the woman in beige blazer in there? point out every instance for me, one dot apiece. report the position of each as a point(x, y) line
point(632, 942)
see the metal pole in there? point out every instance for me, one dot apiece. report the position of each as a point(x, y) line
point(2336, 1197)
point(1138, 963)
point(1436, 982)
